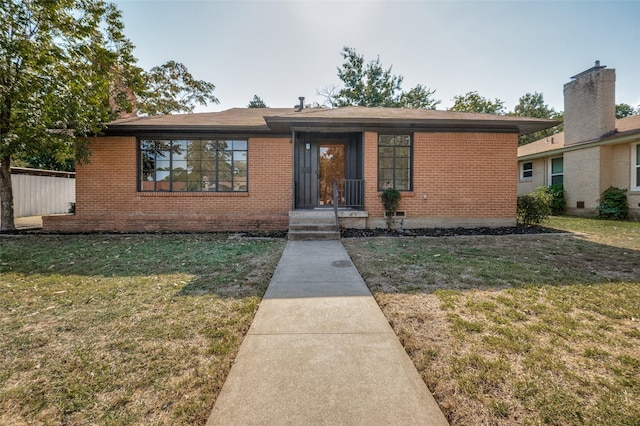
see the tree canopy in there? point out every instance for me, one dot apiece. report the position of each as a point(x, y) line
point(473, 102)
point(58, 62)
point(170, 88)
point(626, 110)
point(532, 105)
point(66, 68)
point(257, 102)
point(371, 85)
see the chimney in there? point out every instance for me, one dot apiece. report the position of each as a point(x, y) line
point(590, 105)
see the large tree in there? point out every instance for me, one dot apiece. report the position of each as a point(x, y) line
point(473, 102)
point(370, 84)
point(58, 64)
point(170, 88)
point(533, 105)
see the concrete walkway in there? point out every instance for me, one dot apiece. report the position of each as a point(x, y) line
point(320, 351)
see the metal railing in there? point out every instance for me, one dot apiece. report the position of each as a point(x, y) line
point(350, 193)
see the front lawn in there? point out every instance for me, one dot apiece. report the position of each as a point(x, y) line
point(123, 329)
point(511, 330)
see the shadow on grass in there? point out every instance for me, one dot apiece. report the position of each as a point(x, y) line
point(409, 265)
point(198, 263)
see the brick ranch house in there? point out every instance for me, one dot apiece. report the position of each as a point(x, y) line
point(594, 152)
point(248, 168)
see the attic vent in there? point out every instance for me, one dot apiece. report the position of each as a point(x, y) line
point(301, 105)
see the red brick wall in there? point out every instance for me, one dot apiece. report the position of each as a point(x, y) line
point(462, 175)
point(107, 198)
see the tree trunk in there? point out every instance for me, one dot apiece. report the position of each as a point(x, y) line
point(6, 195)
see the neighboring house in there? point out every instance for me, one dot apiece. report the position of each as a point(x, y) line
point(594, 152)
point(247, 168)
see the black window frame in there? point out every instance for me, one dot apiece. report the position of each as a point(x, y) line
point(172, 141)
point(395, 178)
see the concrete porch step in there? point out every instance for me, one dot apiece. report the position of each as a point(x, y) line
point(313, 235)
point(313, 225)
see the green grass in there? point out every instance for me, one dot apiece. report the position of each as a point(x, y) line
point(518, 329)
point(123, 329)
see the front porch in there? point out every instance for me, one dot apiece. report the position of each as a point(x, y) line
point(322, 160)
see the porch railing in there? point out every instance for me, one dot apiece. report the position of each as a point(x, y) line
point(351, 193)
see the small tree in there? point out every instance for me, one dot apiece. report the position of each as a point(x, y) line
point(257, 102)
point(391, 201)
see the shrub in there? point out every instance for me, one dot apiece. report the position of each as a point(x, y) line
point(535, 207)
point(613, 204)
point(391, 202)
point(558, 203)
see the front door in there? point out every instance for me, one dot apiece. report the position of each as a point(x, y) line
point(332, 163)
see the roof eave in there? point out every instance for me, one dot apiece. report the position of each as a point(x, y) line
point(132, 129)
point(611, 140)
point(522, 127)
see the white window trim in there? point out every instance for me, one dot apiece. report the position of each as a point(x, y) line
point(635, 167)
point(550, 166)
point(522, 177)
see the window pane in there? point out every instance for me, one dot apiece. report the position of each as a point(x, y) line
point(402, 174)
point(240, 155)
point(527, 174)
point(179, 150)
point(403, 162)
point(403, 140)
point(556, 166)
point(402, 185)
point(162, 175)
point(527, 166)
point(179, 165)
point(385, 151)
point(240, 145)
point(402, 152)
point(385, 174)
point(195, 186)
point(193, 165)
point(558, 179)
point(385, 140)
point(162, 165)
point(224, 181)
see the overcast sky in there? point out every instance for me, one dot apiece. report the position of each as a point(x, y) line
point(280, 50)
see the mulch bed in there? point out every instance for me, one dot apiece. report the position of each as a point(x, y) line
point(448, 232)
point(344, 233)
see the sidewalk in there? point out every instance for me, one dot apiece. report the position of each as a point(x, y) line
point(320, 351)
